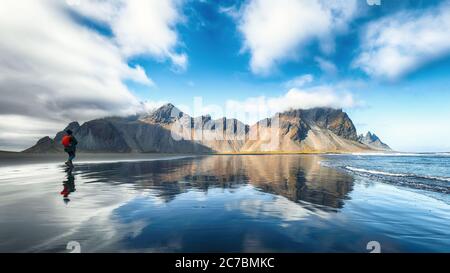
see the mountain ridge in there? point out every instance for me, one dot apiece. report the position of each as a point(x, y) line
point(169, 130)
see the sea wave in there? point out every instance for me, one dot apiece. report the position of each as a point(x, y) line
point(401, 154)
point(376, 172)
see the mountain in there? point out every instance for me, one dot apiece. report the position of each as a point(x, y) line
point(120, 135)
point(169, 130)
point(373, 141)
point(314, 130)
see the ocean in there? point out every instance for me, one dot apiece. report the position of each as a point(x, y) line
point(421, 171)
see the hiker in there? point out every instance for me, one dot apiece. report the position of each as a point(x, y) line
point(70, 146)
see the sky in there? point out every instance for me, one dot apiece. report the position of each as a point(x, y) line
point(386, 65)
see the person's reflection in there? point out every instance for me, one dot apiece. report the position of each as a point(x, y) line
point(69, 185)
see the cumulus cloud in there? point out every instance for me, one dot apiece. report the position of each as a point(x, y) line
point(254, 109)
point(140, 27)
point(275, 31)
point(278, 207)
point(54, 69)
point(396, 45)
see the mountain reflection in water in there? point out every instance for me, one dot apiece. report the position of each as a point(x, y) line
point(216, 203)
point(298, 178)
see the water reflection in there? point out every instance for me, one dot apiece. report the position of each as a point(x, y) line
point(68, 185)
point(273, 203)
point(298, 178)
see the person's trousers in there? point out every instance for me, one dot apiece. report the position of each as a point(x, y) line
point(71, 155)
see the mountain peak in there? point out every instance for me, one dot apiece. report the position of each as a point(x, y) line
point(72, 126)
point(371, 136)
point(373, 141)
point(167, 106)
point(332, 119)
point(167, 113)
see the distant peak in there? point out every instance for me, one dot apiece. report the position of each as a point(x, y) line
point(373, 141)
point(371, 136)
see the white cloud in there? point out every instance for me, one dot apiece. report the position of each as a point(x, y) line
point(299, 81)
point(275, 31)
point(326, 66)
point(396, 45)
point(279, 207)
point(150, 106)
point(254, 109)
point(18, 131)
point(140, 27)
point(54, 69)
point(231, 11)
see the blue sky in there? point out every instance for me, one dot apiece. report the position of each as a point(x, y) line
point(387, 65)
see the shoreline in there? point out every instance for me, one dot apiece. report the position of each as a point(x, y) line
point(9, 158)
point(19, 158)
point(213, 153)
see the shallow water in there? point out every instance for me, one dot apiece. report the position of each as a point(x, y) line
point(419, 171)
point(261, 203)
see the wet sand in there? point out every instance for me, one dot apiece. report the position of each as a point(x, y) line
point(260, 203)
point(17, 158)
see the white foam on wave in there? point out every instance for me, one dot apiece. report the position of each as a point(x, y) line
point(401, 154)
point(438, 178)
point(374, 171)
point(446, 179)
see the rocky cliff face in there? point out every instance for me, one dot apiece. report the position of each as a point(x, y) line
point(120, 135)
point(373, 141)
point(314, 130)
point(169, 130)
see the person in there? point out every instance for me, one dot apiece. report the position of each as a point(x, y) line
point(70, 146)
